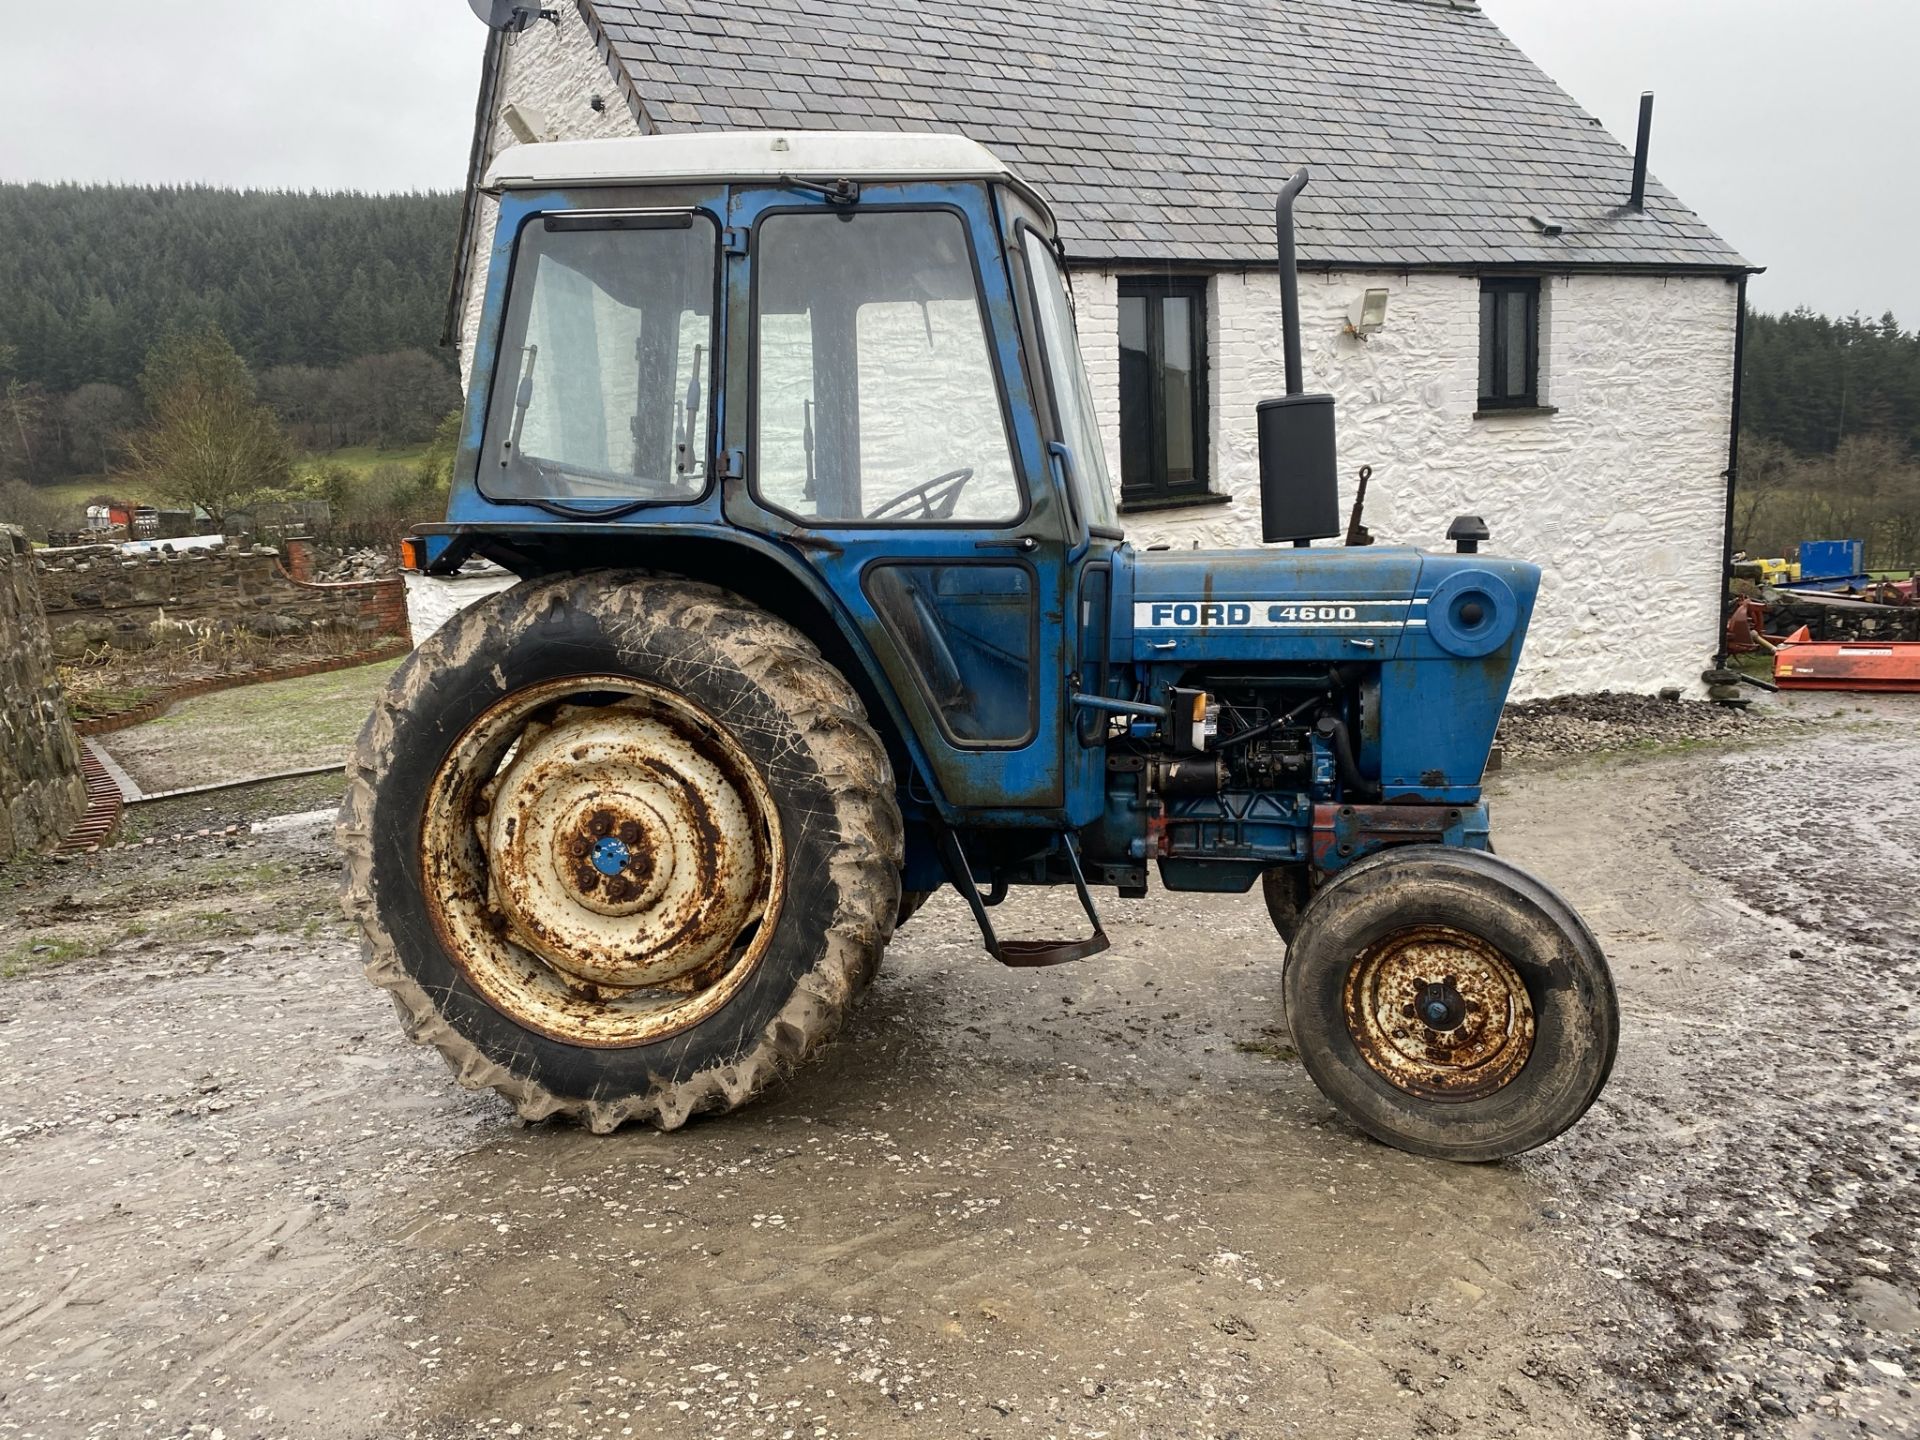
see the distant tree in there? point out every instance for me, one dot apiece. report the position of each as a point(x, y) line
point(209, 441)
point(29, 429)
point(436, 465)
point(307, 400)
point(92, 275)
point(34, 511)
point(96, 416)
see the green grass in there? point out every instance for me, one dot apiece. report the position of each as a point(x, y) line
point(364, 459)
point(75, 491)
point(73, 494)
point(33, 954)
point(252, 730)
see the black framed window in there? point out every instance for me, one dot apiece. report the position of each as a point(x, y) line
point(1163, 391)
point(1510, 343)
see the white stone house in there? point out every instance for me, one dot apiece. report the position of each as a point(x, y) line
point(1551, 358)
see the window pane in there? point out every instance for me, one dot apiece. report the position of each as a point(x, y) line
point(875, 392)
point(968, 629)
point(1133, 323)
point(1489, 329)
point(1079, 425)
point(604, 366)
point(1136, 395)
point(1176, 335)
point(1517, 378)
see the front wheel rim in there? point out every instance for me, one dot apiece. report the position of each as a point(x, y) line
point(602, 861)
point(1439, 1013)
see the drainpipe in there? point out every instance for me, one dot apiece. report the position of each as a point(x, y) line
point(1725, 608)
point(470, 202)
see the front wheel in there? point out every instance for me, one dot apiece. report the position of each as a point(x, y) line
point(1450, 1004)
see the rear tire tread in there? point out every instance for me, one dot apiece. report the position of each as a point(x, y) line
point(827, 716)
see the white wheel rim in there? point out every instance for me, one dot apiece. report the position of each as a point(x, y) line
point(602, 861)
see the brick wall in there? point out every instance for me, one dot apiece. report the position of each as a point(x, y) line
point(95, 596)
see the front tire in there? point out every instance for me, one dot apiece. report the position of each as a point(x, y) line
point(621, 847)
point(1287, 891)
point(1450, 1004)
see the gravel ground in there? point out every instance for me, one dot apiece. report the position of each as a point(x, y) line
point(1101, 1200)
point(1574, 725)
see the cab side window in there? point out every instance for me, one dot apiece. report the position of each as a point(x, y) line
point(875, 392)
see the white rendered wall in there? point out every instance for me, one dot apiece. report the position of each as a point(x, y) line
point(552, 71)
point(1620, 497)
point(432, 600)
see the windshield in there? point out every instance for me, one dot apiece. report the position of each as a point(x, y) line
point(1079, 425)
point(875, 394)
point(602, 390)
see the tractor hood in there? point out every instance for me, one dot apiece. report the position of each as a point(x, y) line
point(1372, 603)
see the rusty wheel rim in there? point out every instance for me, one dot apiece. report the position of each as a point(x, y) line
point(1439, 1013)
point(602, 861)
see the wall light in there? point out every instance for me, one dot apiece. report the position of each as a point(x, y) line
point(1369, 313)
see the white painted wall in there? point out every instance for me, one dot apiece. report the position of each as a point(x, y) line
point(554, 71)
point(432, 600)
point(1619, 497)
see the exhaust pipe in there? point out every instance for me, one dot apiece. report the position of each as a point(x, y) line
point(1299, 462)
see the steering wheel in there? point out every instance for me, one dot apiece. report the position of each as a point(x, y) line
point(936, 497)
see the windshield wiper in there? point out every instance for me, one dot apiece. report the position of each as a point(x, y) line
point(522, 402)
point(806, 443)
point(684, 428)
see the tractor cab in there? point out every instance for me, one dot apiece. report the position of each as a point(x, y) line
point(825, 607)
point(853, 355)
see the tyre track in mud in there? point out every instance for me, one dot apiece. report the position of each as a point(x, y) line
point(1752, 1182)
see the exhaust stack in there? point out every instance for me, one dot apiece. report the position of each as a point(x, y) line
point(1638, 200)
point(1299, 467)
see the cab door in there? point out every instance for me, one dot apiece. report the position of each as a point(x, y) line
point(888, 436)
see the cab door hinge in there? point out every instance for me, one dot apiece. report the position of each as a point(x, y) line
point(734, 239)
point(733, 464)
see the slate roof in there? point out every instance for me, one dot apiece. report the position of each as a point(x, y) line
point(1161, 130)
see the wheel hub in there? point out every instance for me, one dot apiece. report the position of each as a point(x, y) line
point(1439, 1013)
point(618, 852)
point(602, 859)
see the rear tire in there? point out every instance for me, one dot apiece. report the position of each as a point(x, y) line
point(686, 734)
point(1450, 1004)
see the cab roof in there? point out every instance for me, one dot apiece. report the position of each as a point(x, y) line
point(746, 155)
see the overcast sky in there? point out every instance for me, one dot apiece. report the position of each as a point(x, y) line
point(1794, 128)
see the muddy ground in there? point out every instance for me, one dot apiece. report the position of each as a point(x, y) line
point(1098, 1201)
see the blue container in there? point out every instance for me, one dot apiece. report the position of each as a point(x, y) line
point(1832, 559)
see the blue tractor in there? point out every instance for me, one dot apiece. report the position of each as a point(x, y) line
point(824, 605)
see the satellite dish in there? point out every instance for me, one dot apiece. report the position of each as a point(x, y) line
point(512, 16)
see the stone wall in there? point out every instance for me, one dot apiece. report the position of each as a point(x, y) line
point(42, 791)
point(95, 596)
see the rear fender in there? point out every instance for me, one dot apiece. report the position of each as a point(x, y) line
point(751, 567)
